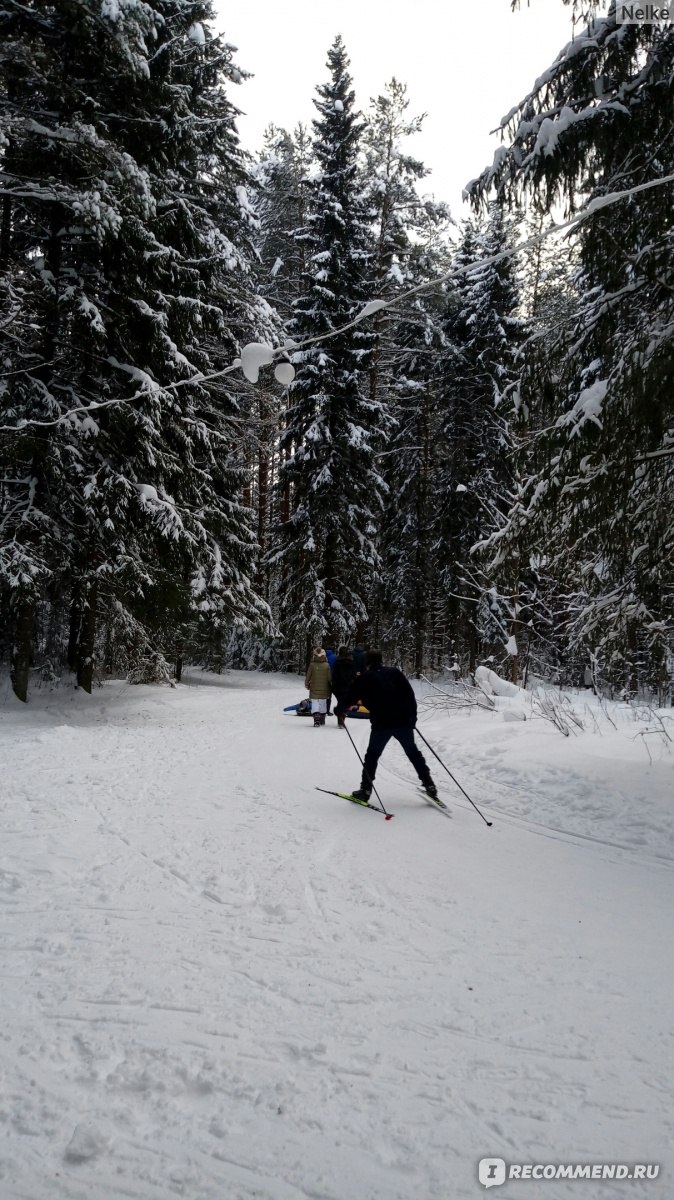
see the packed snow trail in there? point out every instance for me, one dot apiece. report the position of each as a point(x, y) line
point(220, 984)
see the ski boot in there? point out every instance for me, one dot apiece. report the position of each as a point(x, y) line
point(362, 794)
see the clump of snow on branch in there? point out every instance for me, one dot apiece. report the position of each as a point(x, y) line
point(196, 34)
point(254, 356)
point(588, 406)
point(372, 307)
point(493, 685)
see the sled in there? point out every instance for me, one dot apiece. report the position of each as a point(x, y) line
point(303, 709)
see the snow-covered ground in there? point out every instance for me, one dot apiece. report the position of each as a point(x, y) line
point(221, 984)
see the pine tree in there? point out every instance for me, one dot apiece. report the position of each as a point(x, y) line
point(326, 548)
point(402, 221)
point(409, 463)
point(409, 249)
point(281, 176)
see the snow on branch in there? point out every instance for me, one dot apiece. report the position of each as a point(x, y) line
point(255, 355)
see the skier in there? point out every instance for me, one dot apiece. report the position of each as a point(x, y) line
point(393, 713)
point(343, 675)
point(318, 683)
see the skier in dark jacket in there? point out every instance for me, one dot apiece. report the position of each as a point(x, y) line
point(393, 713)
point(343, 675)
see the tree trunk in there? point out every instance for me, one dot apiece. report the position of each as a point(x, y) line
point(473, 647)
point(262, 517)
point(7, 207)
point(74, 632)
point(85, 648)
point(420, 565)
point(5, 231)
point(22, 651)
point(514, 633)
point(285, 496)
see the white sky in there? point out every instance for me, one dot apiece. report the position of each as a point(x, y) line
point(465, 63)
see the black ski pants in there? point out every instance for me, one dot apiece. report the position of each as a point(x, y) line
point(379, 739)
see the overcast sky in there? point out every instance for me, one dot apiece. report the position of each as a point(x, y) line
point(465, 63)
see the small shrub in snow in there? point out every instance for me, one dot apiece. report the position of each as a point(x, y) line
point(152, 667)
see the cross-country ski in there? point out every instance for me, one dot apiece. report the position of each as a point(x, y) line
point(353, 800)
point(435, 802)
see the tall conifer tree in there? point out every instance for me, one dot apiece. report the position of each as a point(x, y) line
point(326, 548)
point(133, 246)
point(409, 249)
point(475, 473)
point(600, 492)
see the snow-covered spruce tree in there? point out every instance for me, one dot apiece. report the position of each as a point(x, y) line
point(37, 506)
point(600, 493)
point(130, 240)
point(550, 303)
point(282, 177)
point(409, 233)
point(197, 303)
point(474, 472)
point(326, 549)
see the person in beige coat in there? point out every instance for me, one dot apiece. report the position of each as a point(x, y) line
point(319, 683)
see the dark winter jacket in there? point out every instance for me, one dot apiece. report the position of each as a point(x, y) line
point(359, 659)
point(388, 695)
point(343, 675)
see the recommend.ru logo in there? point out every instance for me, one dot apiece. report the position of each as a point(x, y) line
point(494, 1171)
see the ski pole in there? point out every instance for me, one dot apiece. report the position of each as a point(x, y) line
point(490, 823)
point(365, 774)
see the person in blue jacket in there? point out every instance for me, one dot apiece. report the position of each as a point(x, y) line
point(390, 698)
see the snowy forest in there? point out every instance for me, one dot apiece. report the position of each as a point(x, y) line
point(254, 402)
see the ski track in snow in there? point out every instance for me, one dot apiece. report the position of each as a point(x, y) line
point(221, 984)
